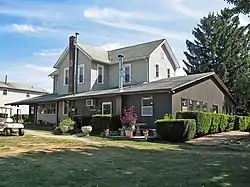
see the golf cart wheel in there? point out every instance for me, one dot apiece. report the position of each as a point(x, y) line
point(21, 132)
point(7, 132)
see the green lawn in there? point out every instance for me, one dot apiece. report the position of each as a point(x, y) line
point(33, 161)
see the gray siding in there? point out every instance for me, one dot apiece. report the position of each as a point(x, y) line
point(139, 71)
point(164, 64)
point(207, 91)
point(94, 75)
point(162, 105)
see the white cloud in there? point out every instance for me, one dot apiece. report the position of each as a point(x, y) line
point(112, 46)
point(180, 7)
point(29, 29)
point(112, 14)
point(49, 52)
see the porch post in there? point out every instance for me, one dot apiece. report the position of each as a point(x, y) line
point(35, 113)
point(118, 105)
point(57, 113)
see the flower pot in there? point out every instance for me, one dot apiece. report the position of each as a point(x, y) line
point(129, 133)
point(86, 130)
point(64, 128)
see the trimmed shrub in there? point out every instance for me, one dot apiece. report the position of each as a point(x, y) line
point(102, 122)
point(230, 123)
point(238, 123)
point(246, 125)
point(179, 130)
point(66, 126)
point(223, 122)
point(203, 120)
point(215, 123)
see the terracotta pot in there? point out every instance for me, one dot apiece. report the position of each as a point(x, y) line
point(129, 133)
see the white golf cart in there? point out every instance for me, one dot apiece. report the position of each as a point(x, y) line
point(7, 125)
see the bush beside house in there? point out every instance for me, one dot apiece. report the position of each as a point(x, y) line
point(180, 130)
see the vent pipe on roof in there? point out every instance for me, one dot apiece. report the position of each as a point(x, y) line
point(120, 71)
point(6, 79)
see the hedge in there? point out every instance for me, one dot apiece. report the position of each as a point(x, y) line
point(215, 123)
point(203, 120)
point(101, 122)
point(230, 123)
point(180, 130)
point(223, 122)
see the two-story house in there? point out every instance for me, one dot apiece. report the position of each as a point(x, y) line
point(14, 91)
point(89, 80)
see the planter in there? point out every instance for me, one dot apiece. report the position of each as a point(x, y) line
point(129, 133)
point(86, 130)
point(64, 129)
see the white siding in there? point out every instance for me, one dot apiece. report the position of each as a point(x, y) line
point(164, 63)
point(15, 95)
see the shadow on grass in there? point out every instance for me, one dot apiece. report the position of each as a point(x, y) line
point(123, 166)
point(39, 127)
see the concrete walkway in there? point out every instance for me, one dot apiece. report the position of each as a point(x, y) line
point(219, 138)
point(47, 134)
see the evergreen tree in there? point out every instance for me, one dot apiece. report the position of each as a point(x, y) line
point(220, 45)
point(241, 6)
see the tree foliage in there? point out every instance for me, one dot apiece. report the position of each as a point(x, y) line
point(241, 6)
point(220, 45)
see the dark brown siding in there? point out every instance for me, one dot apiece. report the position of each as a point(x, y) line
point(162, 105)
point(208, 91)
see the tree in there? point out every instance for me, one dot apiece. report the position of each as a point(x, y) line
point(241, 6)
point(220, 45)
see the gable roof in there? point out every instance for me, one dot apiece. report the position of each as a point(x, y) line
point(135, 51)
point(132, 52)
point(22, 87)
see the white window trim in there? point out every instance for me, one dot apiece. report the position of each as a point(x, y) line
point(158, 70)
point(102, 66)
point(46, 104)
point(142, 107)
point(107, 103)
point(79, 66)
point(64, 73)
point(63, 105)
point(130, 72)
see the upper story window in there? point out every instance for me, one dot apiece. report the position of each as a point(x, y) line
point(28, 94)
point(127, 73)
point(100, 74)
point(184, 103)
point(66, 76)
point(5, 91)
point(81, 74)
point(168, 72)
point(157, 70)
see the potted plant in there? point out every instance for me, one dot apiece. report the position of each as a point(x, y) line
point(86, 130)
point(128, 120)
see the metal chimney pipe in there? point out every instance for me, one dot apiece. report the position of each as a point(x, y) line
point(76, 64)
point(6, 79)
point(120, 70)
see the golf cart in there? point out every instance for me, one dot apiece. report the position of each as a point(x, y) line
point(7, 125)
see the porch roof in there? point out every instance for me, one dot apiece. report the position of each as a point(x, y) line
point(40, 99)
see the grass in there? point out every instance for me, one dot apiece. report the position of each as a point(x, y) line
point(35, 161)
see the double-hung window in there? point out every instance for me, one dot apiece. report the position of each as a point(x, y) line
point(100, 74)
point(147, 108)
point(81, 74)
point(127, 73)
point(66, 76)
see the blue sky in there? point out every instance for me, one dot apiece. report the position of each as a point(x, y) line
point(33, 33)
